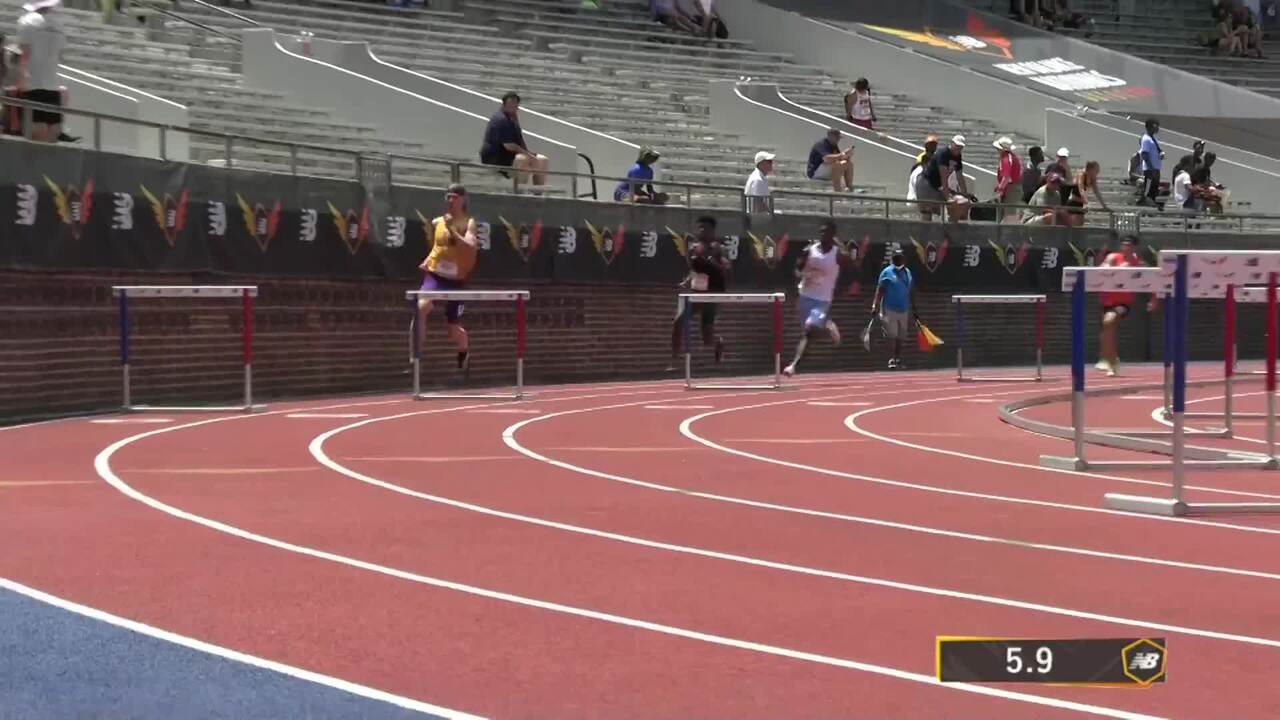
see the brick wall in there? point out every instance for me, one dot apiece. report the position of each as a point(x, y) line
point(59, 339)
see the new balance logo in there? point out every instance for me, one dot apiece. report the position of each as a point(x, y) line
point(1145, 661)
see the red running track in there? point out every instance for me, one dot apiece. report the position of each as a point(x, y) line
point(647, 551)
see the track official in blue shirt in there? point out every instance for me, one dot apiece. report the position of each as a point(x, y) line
point(895, 303)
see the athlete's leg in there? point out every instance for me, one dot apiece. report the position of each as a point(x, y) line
point(709, 336)
point(1107, 339)
point(424, 309)
point(457, 333)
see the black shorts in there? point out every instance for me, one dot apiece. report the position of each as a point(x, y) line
point(48, 97)
point(707, 310)
point(1121, 311)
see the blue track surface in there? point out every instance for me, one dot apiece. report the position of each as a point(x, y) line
point(56, 664)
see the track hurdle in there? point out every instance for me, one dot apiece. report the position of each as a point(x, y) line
point(687, 301)
point(246, 293)
point(1038, 301)
point(1079, 281)
point(520, 297)
point(1232, 296)
point(1185, 266)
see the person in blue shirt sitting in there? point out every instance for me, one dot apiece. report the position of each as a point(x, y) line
point(895, 298)
point(638, 192)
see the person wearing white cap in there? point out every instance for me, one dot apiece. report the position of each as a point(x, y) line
point(1008, 174)
point(943, 182)
point(1066, 179)
point(757, 188)
point(41, 40)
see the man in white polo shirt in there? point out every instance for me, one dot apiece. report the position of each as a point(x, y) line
point(41, 40)
point(757, 188)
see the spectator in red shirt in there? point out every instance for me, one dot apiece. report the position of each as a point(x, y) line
point(1008, 175)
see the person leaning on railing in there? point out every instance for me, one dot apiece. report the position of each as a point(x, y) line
point(641, 190)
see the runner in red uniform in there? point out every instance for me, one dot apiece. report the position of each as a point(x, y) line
point(1116, 306)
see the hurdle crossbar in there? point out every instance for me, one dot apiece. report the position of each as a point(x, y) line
point(1081, 280)
point(1182, 264)
point(960, 300)
point(520, 297)
point(246, 293)
point(687, 300)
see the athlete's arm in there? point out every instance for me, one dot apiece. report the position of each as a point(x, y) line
point(472, 236)
point(843, 258)
point(801, 262)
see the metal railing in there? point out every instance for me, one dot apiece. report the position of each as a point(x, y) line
point(887, 207)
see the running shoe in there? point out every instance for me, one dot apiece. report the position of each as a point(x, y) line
point(893, 363)
point(789, 370)
point(1103, 366)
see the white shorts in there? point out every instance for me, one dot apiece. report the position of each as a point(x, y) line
point(823, 172)
point(895, 324)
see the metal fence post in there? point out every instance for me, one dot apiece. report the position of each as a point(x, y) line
point(164, 153)
point(227, 149)
point(97, 133)
point(293, 159)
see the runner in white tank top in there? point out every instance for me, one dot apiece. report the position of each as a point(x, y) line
point(818, 268)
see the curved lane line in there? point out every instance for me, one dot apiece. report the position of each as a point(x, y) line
point(685, 429)
point(851, 422)
point(102, 464)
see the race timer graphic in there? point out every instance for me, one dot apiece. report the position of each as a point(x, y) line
point(1115, 662)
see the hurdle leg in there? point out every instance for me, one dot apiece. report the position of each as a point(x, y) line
point(1182, 304)
point(124, 350)
point(686, 311)
point(960, 341)
point(1040, 341)
point(520, 340)
point(1167, 389)
point(777, 344)
point(1078, 462)
point(1229, 361)
point(247, 322)
point(1271, 366)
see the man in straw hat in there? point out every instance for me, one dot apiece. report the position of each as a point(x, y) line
point(1008, 175)
point(41, 40)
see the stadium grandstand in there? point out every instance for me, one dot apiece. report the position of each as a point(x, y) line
point(345, 343)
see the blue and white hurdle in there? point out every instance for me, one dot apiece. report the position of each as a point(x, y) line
point(1188, 267)
point(1082, 280)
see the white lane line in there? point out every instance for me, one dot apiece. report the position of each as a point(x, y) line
point(637, 449)
point(41, 483)
point(685, 429)
point(678, 407)
point(1142, 397)
point(797, 441)
point(233, 655)
point(132, 421)
point(981, 400)
point(432, 459)
point(510, 436)
point(1158, 416)
point(828, 403)
point(102, 463)
point(852, 423)
point(220, 470)
point(506, 411)
point(317, 416)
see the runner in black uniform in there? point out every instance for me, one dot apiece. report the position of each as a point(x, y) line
point(708, 272)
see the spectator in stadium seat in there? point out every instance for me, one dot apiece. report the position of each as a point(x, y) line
point(638, 192)
point(1185, 198)
point(1008, 175)
point(1151, 157)
point(828, 162)
point(1031, 173)
point(41, 39)
point(1213, 195)
point(943, 182)
point(756, 190)
point(857, 105)
point(1086, 191)
point(1224, 38)
point(504, 145)
point(1046, 203)
point(1251, 35)
point(669, 13)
